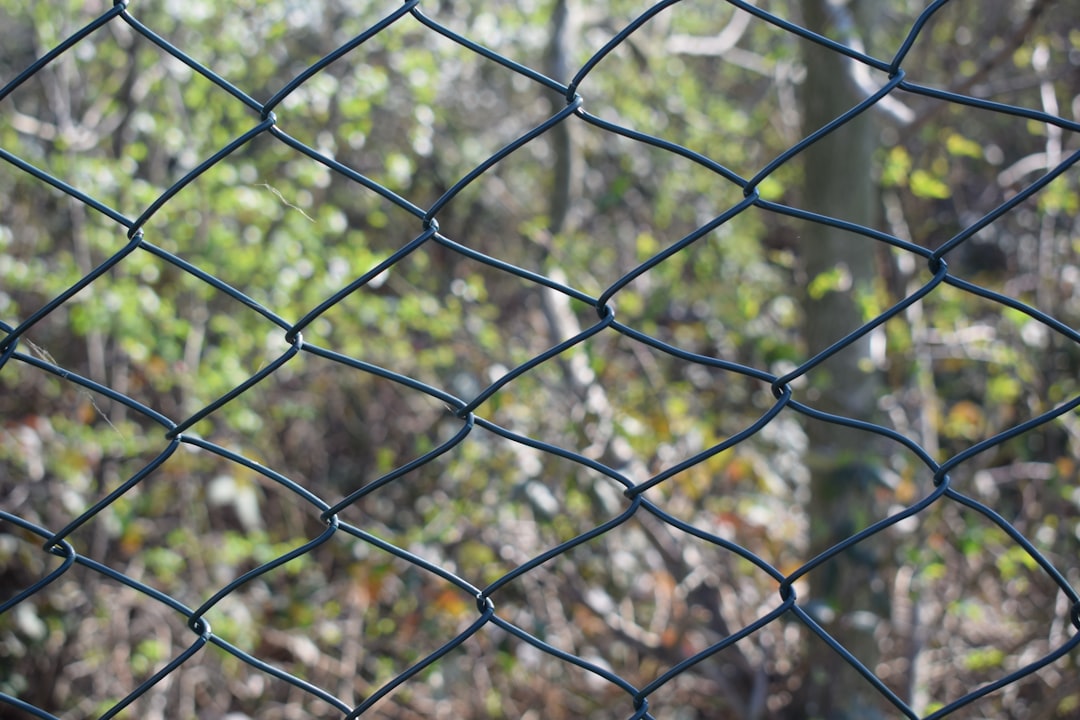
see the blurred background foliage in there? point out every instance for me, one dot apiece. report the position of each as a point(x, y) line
point(122, 120)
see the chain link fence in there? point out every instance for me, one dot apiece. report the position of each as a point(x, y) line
point(466, 600)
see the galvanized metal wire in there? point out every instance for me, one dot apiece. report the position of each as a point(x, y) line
point(174, 431)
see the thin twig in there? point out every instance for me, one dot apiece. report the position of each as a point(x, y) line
point(281, 197)
point(45, 355)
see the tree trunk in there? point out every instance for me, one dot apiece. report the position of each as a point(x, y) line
point(837, 182)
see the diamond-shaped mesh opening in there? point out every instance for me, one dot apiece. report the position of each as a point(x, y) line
point(172, 119)
point(110, 652)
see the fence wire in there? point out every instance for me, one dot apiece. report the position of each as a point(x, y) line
point(176, 432)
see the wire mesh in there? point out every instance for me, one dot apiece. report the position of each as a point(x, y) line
point(466, 408)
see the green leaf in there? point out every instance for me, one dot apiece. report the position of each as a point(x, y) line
point(895, 169)
point(957, 144)
point(837, 278)
point(925, 185)
point(984, 659)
